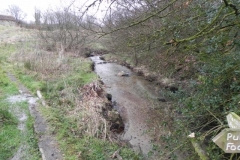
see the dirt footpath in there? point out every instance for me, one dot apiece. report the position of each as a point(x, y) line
point(46, 142)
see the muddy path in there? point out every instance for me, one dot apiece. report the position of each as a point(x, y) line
point(135, 99)
point(46, 142)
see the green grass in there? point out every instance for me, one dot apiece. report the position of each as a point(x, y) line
point(29, 138)
point(30, 81)
point(11, 137)
point(78, 145)
point(32, 141)
point(92, 148)
point(6, 50)
point(9, 134)
point(8, 124)
point(6, 86)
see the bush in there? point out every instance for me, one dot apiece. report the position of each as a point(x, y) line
point(203, 110)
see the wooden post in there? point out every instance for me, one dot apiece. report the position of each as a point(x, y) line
point(41, 98)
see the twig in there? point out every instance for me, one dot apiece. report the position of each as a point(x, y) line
point(212, 114)
point(116, 155)
point(105, 131)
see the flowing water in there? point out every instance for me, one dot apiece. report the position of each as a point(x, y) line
point(135, 99)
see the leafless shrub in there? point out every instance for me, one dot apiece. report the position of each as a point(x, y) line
point(62, 26)
point(17, 13)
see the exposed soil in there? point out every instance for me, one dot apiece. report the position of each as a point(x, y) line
point(46, 142)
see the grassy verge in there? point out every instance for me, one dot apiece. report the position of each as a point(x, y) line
point(28, 137)
point(62, 86)
point(78, 145)
point(9, 134)
point(11, 137)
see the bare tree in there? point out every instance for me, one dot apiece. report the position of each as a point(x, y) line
point(62, 27)
point(37, 16)
point(16, 12)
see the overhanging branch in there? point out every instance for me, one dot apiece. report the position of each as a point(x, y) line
point(234, 7)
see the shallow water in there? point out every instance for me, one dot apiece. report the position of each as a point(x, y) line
point(21, 115)
point(135, 97)
point(46, 142)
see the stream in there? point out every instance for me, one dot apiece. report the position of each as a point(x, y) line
point(135, 99)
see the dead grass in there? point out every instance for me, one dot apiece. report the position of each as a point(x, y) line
point(90, 107)
point(36, 60)
point(14, 34)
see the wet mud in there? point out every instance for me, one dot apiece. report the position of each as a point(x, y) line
point(46, 142)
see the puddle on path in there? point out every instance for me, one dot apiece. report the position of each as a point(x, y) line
point(19, 112)
point(135, 99)
point(21, 115)
point(46, 142)
point(21, 98)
